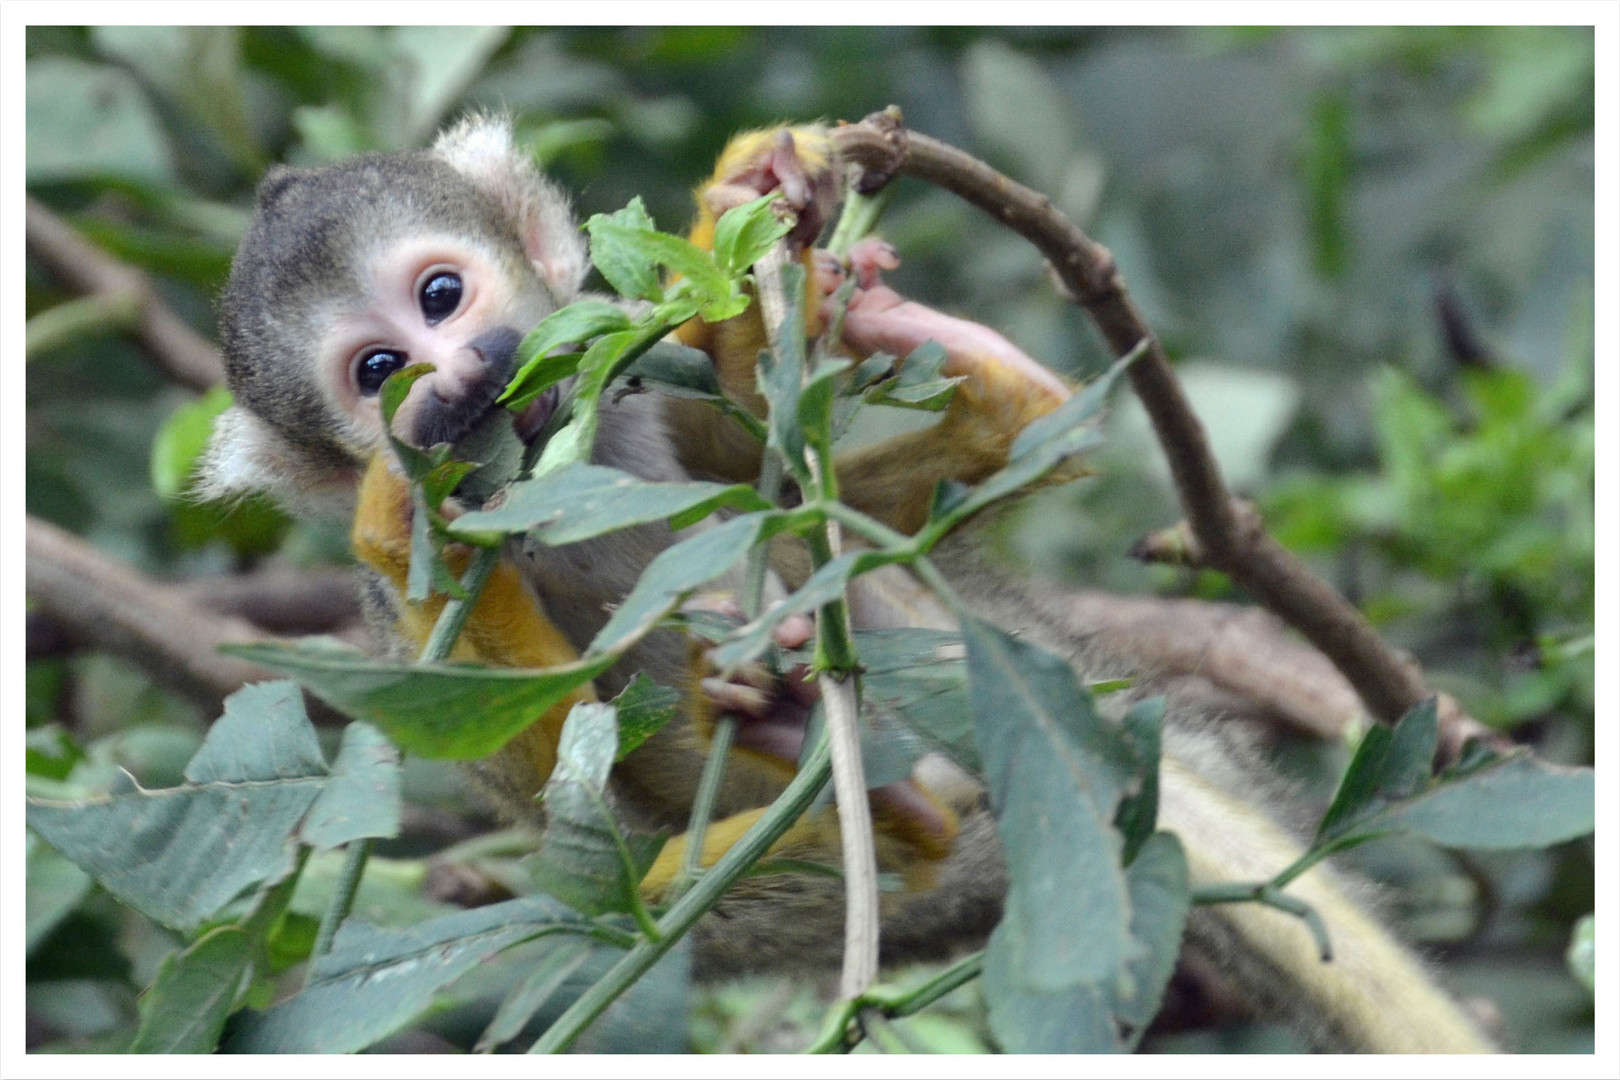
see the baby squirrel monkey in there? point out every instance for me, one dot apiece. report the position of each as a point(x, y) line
point(448, 256)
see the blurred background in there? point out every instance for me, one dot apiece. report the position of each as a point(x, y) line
point(1369, 250)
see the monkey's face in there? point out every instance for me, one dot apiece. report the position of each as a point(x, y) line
point(455, 303)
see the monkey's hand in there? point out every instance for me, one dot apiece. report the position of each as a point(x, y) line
point(1002, 392)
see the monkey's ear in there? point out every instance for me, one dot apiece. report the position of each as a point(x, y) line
point(480, 148)
point(245, 456)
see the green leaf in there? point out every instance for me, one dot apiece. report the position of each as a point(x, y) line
point(180, 854)
point(573, 443)
point(433, 710)
point(375, 982)
point(583, 859)
point(822, 587)
point(816, 399)
point(644, 707)
point(1110, 1016)
point(745, 233)
point(362, 797)
point(920, 677)
point(181, 440)
point(54, 887)
point(574, 325)
point(684, 372)
point(690, 262)
point(579, 501)
point(1056, 774)
point(617, 255)
point(1029, 1020)
point(1157, 881)
point(1514, 801)
point(679, 369)
point(194, 992)
point(1139, 812)
point(680, 569)
point(629, 251)
point(918, 384)
point(781, 376)
point(1484, 801)
point(562, 959)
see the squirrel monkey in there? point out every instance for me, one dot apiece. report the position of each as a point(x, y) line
point(348, 273)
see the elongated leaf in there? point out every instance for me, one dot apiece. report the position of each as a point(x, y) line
point(822, 587)
point(679, 370)
point(918, 383)
point(1041, 447)
point(574, 325)
point(1112, 1015)
point(1486, 801)
point(1515, 801)
point(195, 991)
point(180, 854)
point(375, 982)
point(677, 571)
point(1157, 881)
point(573, 443)
point(579, 501)
point(583, 859)
point(781, 375)
point(1026, 1020)
point(434, 710)
point(1056, 774)
point(644, 707)
point(1388, 764)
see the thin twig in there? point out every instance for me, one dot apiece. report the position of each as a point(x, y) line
point(841, 705)
point(1231, 536)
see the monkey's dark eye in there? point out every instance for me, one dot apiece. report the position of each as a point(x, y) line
point(375, 367)
point(440, 297)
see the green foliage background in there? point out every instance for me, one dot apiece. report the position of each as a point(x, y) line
point(1370, 250)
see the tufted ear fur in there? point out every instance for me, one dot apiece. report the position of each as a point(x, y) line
point(480, 148)
point(246, 456)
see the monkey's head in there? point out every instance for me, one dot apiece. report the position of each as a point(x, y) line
point(350, 272)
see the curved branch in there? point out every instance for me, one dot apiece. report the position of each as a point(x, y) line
point(181, 353)
point(1231, 535)
point(112, 607)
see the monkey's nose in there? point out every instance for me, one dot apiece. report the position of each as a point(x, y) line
point(496, 347)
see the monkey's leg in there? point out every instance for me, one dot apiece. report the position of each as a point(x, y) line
point(914, 829)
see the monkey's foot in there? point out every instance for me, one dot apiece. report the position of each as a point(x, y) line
point(773, 715)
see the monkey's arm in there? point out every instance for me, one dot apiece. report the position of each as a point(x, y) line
point(1003, 390)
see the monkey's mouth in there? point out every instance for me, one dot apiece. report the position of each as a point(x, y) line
point(533, 419)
